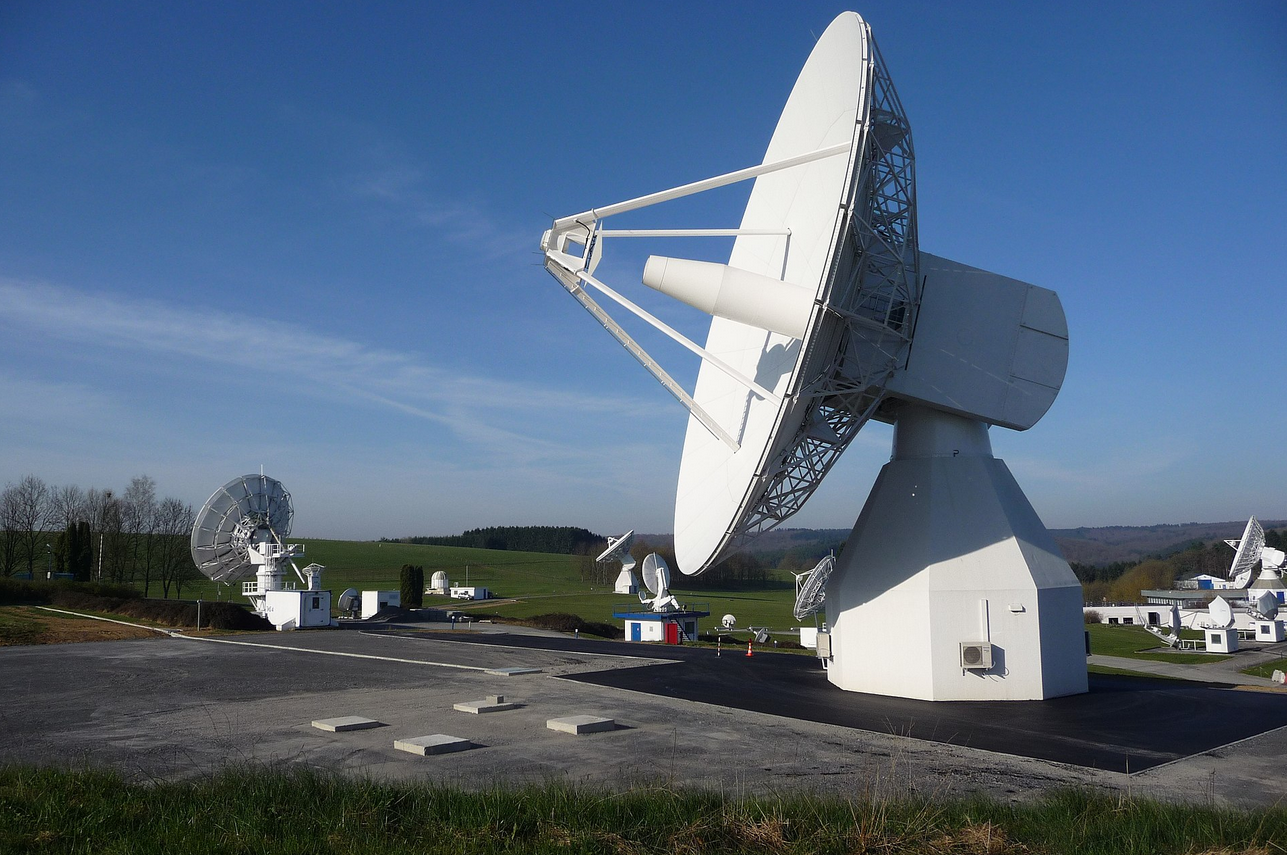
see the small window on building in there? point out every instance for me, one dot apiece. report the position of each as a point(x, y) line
point(1154, 619)
point(317, 603)
point(1113, 620)
point(1128, 620)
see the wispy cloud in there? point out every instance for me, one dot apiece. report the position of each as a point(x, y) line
point(404, 189)
point(479, 410)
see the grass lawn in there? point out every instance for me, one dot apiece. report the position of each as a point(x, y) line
point(368, 565)
point(771, 608)
point(255, 810)
point(1267, 669)
point(32, 625)
point(541, 582)
point(1134, 642)
point(20, 625)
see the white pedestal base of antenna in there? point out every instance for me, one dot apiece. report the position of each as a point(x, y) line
point(948, 551)
point(1222, 640)
point(1272, 631)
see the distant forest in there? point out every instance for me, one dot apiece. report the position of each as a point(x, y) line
point(559, 540)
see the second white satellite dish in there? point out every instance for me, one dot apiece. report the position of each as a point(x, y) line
point(728, 622)
point(656, 578)
point(619, 550)
point(1220, 614)
point(1264, 607)
point(810, 596)
point(1248, 547)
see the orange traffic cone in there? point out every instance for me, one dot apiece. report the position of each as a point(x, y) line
point(748, 648)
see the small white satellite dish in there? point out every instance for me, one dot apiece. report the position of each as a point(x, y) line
point(728, 622)
point(1247, 554)
point(1264, 607)
point(811, 590)
point(760, 634)
point(1219, 614)
point(656, 578)
point(349, 601)
point(811, 333)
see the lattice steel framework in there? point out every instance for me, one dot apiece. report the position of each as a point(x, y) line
point(872, 294)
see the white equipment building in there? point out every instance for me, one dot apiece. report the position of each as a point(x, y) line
point(949, 587)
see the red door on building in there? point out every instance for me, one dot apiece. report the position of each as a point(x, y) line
point(672, 632)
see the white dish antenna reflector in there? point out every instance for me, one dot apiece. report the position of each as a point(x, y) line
point(812, 317)
point(1248, 553)
point(728, 622)
point(348, 601)
point(811, 594)
point(656, 578)
point(1264, 607)
point(619, 550)
point(656, 574)
point(1220, 614)
point(246, 512)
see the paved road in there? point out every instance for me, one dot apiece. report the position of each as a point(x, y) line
point(175, 708)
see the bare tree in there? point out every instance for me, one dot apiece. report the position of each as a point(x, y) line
point(67, 509)
point(67, 506)
point(139, 516)
point(174, 558)
point(97, 505)
point(32, 507)
point(10, 546)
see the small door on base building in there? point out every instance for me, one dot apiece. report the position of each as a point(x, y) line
point(636, 631)
point(672, 632)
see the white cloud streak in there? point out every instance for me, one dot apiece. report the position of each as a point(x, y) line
point(478, 410)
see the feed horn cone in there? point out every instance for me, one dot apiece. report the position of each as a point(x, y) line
point(732, 293)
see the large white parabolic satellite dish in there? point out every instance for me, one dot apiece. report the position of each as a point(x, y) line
point(245, 512)
point(240, 532)
point(828, 315)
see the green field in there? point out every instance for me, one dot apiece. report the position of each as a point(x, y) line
point(251, 809)
point(1266, 669)
point(540, 582)
point(1134, 642)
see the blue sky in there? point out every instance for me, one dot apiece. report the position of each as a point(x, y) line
point(304, 235)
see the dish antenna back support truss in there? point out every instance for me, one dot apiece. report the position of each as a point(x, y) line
point(826, 316)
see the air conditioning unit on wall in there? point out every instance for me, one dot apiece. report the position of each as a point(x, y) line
point(976, 656)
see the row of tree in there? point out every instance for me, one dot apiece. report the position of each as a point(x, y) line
point(740, 570)
point(1122, 582)
point(131, 538)
point(558, 540)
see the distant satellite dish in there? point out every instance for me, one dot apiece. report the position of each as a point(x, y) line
point(761, 634)
point(618, 547)
point(619, 550)
point(811, 334)
point(1264, 607)
point(811, 592)
point(728, 622)
point(241, 530)
point(349, 600)
point(656, 574)
point(656, 578)
point(1220, 614)
point(245, 512)
point(1247, 555)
